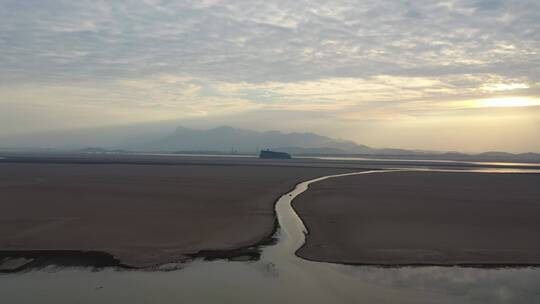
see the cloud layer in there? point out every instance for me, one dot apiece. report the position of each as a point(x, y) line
point(363, 65)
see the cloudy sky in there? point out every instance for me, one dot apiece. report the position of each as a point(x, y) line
point(445, 75)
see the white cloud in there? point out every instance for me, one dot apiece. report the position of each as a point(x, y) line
point(171, 59)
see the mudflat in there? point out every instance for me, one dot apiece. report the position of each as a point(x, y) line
point(404, 218)
point(142, 212)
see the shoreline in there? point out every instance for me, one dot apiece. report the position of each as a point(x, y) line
point(98, 260)
point(380, 222)
point(251, 251)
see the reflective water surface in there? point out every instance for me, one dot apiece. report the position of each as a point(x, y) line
point(279, 276)
point(465, 162)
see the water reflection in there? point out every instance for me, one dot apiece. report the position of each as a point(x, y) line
point(420, 161)
point(470, 285)
point(262, 282)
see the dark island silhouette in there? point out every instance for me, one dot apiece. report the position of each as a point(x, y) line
point(274, 154)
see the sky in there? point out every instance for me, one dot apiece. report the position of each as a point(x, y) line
point(437, 75)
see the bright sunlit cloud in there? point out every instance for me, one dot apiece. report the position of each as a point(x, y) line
point(509, 102)
point(497, 87)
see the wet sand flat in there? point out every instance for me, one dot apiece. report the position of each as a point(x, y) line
point(143, 214)
point(423, 218)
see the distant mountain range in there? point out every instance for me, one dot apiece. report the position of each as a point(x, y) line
point(227, 139)
point(230, 140)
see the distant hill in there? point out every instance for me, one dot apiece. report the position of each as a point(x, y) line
point(237, 141)
point(164, 138)
point(229, 139)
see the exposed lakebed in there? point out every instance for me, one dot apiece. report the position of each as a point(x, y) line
point(279, 275)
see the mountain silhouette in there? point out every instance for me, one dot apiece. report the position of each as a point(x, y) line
point(226, 138)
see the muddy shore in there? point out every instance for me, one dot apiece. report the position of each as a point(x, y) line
point(148, 210)
point(142, 214)
point(423, 218)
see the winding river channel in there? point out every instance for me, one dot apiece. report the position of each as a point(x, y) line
point(278, 277)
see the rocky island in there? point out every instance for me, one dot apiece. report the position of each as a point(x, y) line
point(273, 154)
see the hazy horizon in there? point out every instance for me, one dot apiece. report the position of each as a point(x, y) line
point(123, 136)
point(446, 76)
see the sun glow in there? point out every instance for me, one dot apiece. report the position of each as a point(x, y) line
point(509, 102)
